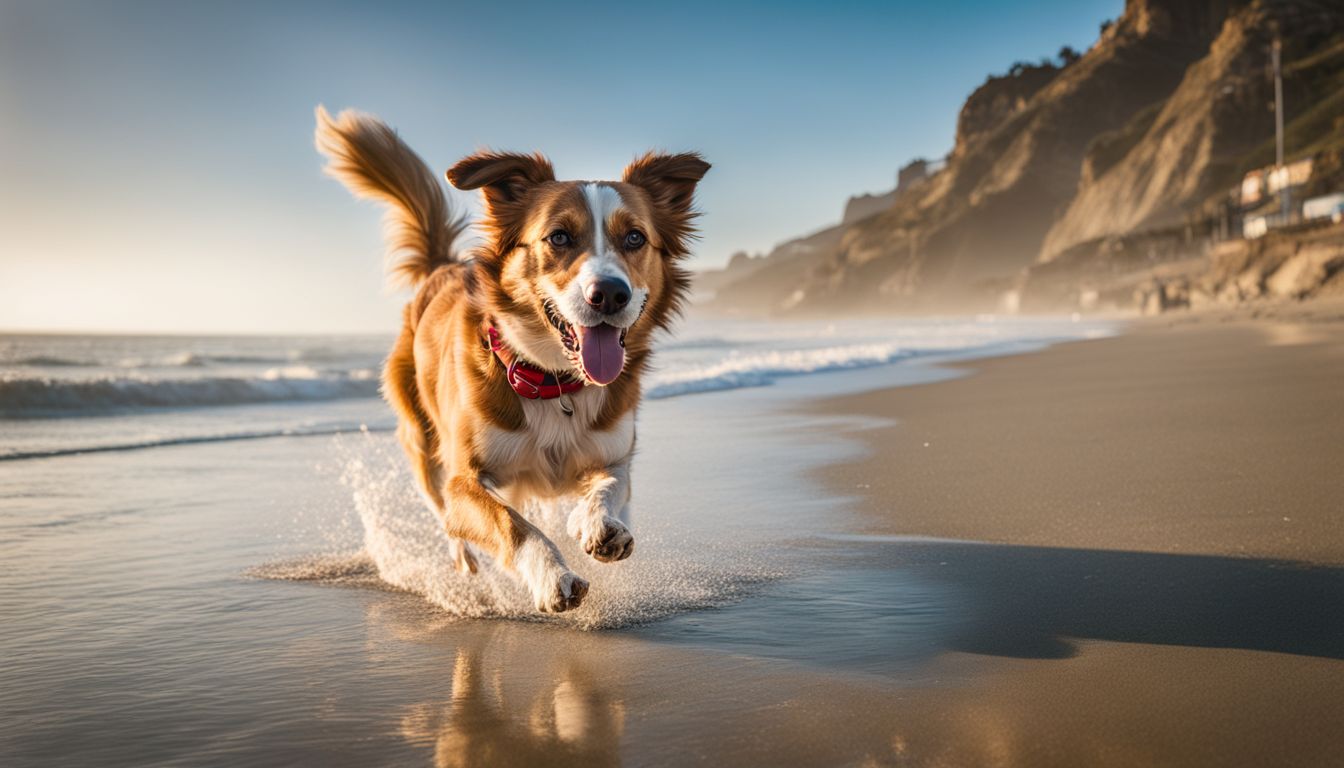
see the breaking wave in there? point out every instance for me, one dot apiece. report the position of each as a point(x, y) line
point(739, 370)
point(199, 360)
point(184, 360)
point(42, 397)
point(51, 361)
point(763, 368)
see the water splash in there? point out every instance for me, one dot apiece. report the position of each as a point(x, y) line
point(404, 548)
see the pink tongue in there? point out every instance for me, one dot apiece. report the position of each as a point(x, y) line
point(603, 355)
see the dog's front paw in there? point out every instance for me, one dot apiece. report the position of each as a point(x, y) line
point(562, 594)
point(554, 587)
point(609, 541)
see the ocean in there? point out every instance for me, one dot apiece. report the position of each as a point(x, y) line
point(213, 555)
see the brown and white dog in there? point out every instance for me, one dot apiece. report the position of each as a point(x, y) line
point(517, 372)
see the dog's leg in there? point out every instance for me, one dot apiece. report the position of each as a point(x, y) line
point(429, 477)
point(417, 436)
point(475, 515)
point(599, 520)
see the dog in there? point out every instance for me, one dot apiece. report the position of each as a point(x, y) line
point(516, 374)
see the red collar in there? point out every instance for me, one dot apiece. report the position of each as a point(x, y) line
point(526, 379)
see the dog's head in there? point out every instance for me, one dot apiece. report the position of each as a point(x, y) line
point(581, 273)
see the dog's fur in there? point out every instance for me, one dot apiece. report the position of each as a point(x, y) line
point(478, 450)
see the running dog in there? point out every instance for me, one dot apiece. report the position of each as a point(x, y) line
point(516, 375)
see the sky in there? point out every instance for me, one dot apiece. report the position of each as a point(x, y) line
point(157, 171)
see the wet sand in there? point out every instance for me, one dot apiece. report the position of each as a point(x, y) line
point(1163, 515)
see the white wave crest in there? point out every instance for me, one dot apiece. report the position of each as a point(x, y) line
point(762, 368)
point(42, 397)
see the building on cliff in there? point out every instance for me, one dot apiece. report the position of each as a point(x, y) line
point(1268, 197)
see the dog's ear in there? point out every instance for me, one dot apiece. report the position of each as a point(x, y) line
point(505, 179)
point(505, 176)
point(670, 181)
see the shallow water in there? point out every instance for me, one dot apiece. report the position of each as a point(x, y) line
point(282, 600)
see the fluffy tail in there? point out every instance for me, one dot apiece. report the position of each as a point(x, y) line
point(373, 162)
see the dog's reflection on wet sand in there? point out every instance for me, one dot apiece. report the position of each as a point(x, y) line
point(555, 712)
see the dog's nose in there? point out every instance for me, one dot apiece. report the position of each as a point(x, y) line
point(607, 295)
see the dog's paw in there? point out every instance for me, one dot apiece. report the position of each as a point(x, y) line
point(564, 593)
point(554, 587)
point(609, 541)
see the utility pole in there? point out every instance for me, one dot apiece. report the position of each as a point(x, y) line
point(1276, 53)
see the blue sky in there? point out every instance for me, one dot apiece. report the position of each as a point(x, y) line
point(156, 162)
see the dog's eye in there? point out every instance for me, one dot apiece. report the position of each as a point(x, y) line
point(559, 238)
point(635, 240)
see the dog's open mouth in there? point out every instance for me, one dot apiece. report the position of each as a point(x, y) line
point(598, 351)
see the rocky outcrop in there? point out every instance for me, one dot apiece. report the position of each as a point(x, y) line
point(1284, 265)
point(861, 207)
point(772, 284)
point(707, 283)
point(911, 176)
point(1160, 271)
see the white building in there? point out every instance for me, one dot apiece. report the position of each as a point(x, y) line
point(1325, 207)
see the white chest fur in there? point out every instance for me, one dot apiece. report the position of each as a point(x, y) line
point(547, 457)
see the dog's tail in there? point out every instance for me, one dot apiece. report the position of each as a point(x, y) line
point(373, 162)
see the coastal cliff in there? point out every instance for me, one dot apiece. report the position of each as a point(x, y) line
point(1145, 131)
